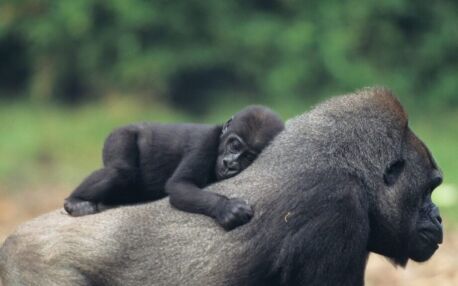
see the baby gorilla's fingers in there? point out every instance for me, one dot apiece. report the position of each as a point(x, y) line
point(79, 208)
point(234, 213)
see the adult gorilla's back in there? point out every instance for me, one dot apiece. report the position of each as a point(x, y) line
point(347, 178)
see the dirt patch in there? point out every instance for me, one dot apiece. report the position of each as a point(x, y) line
point(17, 208)
point(441, 270)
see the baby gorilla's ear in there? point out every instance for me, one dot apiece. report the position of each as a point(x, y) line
point(226, 126)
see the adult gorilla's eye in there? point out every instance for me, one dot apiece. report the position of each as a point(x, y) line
point(235, 146)
point(393, 171)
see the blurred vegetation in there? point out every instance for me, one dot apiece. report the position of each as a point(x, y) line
point(188, 52)
point(70, 71)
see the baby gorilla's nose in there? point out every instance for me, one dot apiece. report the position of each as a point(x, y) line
point(230, 164)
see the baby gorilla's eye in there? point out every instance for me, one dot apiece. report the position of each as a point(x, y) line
point(235, 146)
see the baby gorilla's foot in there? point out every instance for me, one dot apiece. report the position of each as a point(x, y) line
point(233, 213)
point(79, 208)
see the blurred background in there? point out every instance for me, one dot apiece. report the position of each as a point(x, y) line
point(70, 71)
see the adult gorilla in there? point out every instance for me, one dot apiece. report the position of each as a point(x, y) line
point(345, 179)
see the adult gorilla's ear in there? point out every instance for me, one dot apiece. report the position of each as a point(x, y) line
point(392, 172)
point(226, 126)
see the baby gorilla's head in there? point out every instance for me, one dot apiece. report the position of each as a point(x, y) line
point(243, 137)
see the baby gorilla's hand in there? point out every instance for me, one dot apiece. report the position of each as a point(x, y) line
point(233, 213)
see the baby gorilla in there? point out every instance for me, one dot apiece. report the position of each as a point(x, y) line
point(148, 161)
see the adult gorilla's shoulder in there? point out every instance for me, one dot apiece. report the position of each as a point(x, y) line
point(347, 178)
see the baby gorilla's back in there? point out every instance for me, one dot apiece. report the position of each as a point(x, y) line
point(138, 160)
point(163, 148)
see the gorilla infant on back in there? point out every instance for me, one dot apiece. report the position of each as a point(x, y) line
point(145, 162)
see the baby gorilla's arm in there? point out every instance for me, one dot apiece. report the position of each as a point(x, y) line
point(185, 194)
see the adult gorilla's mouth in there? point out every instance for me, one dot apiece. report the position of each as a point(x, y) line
point(425, 245)
point(424, 254)
point(432, 233)
point(430, 239)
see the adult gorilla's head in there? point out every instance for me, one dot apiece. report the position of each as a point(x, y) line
point(405, 223)
point(374, 142)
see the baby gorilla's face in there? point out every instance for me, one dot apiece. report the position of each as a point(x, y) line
point(234, 156)
point(243, 137)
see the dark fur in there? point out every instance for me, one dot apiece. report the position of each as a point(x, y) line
point(145, 162)
point(348, 207)
point(329, 190)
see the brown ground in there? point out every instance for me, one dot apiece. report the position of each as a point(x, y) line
point(441, 270)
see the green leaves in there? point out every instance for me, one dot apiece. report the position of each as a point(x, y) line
point(273, 49)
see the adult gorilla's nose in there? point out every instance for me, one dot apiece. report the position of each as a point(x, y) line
point(439, 218)
point(435, 216)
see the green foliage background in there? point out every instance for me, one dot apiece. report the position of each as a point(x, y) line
point(71, 70)
point(276, 49)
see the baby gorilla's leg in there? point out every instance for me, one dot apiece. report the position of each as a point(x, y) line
point(108, 185)
point(116, 183)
